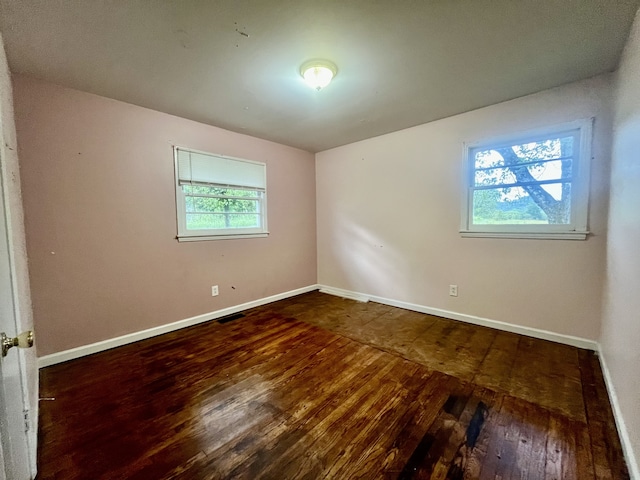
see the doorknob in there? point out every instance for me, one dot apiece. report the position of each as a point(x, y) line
point(24, 340)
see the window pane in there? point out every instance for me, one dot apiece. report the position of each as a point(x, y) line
point(494, 176)
point(554, 170)
point(212, 190)
point(560, 192)
point(200, 221)
point(547, 149)
point(542, 204)
point(533, 172)
point(487, 158)
point(221, 205)
point(243, 221)
point(532, 183)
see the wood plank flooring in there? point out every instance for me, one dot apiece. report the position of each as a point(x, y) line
point(317, 387)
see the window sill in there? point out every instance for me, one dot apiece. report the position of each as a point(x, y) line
point(529, 235)
point(200, 238)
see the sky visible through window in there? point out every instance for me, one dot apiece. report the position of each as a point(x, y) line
point(523, 183)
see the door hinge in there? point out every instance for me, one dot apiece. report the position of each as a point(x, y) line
point(26, 420)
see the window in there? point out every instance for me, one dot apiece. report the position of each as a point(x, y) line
point(533, 185)
point(219, 197)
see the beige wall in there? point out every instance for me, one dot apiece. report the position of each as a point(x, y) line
point(389, 214)
point(621, 325)
point(99, 199)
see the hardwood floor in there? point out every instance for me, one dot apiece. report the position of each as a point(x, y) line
point(322, 387)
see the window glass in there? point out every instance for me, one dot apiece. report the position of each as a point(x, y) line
point(529, 184)
point(208, 208)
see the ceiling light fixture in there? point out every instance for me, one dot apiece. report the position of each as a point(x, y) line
point(318, 73)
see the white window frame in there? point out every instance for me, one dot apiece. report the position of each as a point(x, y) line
point(577, 228)
point(185, 235)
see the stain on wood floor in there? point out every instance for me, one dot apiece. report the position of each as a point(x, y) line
point(303, 389)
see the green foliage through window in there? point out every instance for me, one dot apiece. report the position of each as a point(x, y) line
point(218, 207)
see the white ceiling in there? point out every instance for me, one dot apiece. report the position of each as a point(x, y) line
point(234, 63)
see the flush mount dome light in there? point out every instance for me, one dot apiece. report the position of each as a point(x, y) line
point(318, 73)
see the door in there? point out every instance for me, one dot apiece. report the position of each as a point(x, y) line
point(14, 455)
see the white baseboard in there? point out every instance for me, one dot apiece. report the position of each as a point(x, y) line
point(85, 350)
point(627, 449)
point(344, 294)
point(484, 322)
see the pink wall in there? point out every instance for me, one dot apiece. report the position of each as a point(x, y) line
point(99, 200)
point(389, 218)
point(621, 324)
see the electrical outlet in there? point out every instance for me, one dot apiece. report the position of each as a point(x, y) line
point(214, 291)
point(453, 290)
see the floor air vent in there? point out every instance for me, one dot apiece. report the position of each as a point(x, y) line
point(229, 318)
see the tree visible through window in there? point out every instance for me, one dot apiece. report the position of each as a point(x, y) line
point(528, 184)
point(218, 196)
point(210, 207)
